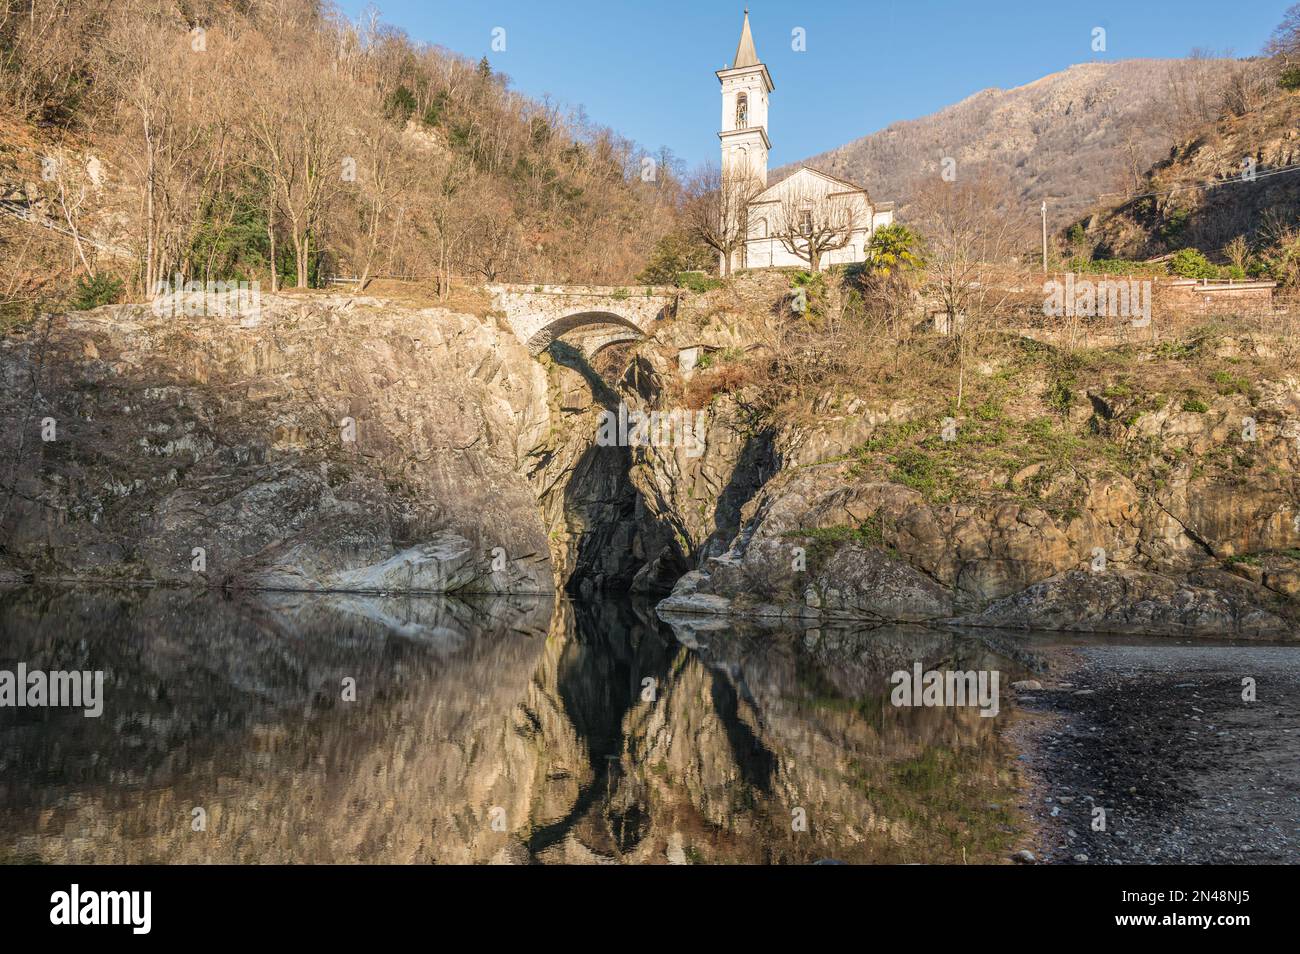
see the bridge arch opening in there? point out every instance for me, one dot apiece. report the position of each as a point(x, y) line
point(606, 328)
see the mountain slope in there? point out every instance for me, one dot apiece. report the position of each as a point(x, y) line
point(1181, 211)
point(1067, 137)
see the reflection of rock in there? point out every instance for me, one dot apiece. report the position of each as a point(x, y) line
point(443, 564)
point(855, 583)
point(800, 721)
point(236, 707)
point(505, 730)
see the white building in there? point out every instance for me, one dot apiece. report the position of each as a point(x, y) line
point(806, 203)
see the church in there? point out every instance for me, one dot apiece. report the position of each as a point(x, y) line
point(808, 219)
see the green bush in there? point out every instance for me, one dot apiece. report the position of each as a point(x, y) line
point(812, 287)
point(894, 247)
point(399, 105)
point(673, 254)
point(1290, 78)
point(1175, 223)
point(1225, 382)
point(95, 291)
point(697, 282)
point(1195, 405)
point(1108, 266)
point(917, 469)
point(434, 114)
point(1190, 263)
point(1059, 394)
point(809, 280)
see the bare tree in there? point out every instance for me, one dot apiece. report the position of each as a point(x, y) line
point(1195, 93)
point(71, 186)
point(158, 145)
point(494, 244)
point(383, 180)
point(1285, 42)
point(717, 209)
point(297, 145)
point(1237, 252)
point(449, 212)
point(1246, 86)
point(1134, 160)
point(973, 230)
point(812, 222)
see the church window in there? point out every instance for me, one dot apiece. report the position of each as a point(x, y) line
point(742, 111)
point(805, 222)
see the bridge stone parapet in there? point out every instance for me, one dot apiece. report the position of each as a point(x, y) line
point(539, 314)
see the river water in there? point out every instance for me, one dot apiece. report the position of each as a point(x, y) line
point(344, 728)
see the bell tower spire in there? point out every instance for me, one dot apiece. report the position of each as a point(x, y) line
point(745, 52)
point(746, 85)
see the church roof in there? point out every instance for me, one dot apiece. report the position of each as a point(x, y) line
point(773, 192)
point(844, 182)
point(746, 55)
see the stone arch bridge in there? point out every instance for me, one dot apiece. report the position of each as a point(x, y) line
point(593, 316)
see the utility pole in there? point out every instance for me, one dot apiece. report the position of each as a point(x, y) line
point(1044, 236)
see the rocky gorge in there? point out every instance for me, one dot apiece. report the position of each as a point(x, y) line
point(364, 444)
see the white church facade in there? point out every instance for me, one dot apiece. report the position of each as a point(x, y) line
point(781, 220)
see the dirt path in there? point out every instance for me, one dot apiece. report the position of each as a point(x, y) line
point(1160, 737)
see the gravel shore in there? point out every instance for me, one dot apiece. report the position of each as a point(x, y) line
point(1160, 737)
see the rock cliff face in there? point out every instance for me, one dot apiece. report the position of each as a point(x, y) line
point(602, 536)
point(1013, 567)
point(1150, 491)
point(329, 443)
point(362, 445)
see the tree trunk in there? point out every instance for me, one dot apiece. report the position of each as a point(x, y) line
point(370, 252)
point(150, 276)
point(297, 258)
point(961, 359)
point(270, 231)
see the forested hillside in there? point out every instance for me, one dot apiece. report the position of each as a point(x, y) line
point(212, 139)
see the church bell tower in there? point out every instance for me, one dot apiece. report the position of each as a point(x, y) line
point(745, 88)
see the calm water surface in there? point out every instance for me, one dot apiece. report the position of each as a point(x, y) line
point(506, 730)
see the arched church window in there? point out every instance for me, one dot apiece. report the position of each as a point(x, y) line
point(742, 111)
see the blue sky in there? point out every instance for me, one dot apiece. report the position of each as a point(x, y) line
point(646, 68)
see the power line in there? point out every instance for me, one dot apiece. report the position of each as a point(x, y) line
point(1208, 184)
